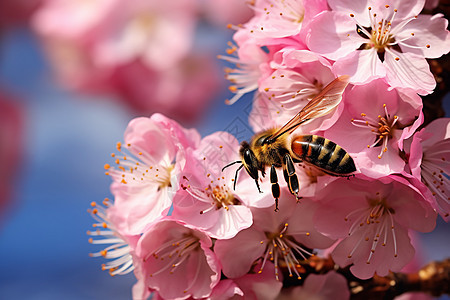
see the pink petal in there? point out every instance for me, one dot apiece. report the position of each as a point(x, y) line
point(428, 30)
point(333, 35)
point(238, 254)
point(409, 71)
point(362, 65)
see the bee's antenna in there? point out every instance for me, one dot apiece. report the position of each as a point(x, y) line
point(230, 164)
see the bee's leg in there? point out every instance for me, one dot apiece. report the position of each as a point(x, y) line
point(257, 185)
point(290, 176)
point(236, 175)
point(275, 185)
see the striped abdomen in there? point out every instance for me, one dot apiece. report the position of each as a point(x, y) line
point(323, 153)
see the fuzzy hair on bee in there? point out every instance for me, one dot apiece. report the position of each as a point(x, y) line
point(277, 148)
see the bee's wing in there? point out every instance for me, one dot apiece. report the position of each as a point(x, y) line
point(319, 106)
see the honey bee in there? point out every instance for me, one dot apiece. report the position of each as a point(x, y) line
point(278, 149)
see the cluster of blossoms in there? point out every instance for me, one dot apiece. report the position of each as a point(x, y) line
point(190, 229)
point(144, 52)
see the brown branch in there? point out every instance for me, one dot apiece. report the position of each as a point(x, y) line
point(433, 279)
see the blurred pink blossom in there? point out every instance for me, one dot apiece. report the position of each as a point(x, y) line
point(116, 34)
point(11, 135)
point(142, 52)
point(16, 12)
point(224, 12)
point(373, 39)
point(372, 219)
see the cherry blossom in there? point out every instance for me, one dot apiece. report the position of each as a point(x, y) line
point(374, 124)
point(278, 22)
point(251, 66)
point(104, 47)
point(120, 247)
point(191, 82)
point(209, 198)
point(224, 12)
point(376, 39)
point(16, 12)
point(176, 261)
point(429, 163)
point(298, 76)
point(11, 134)
point(145, 177)
point(259, 285)
point(117, 34)
point(273, 237)
point(372, 219)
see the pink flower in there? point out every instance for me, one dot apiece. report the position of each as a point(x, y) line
point(374, 124)
point(251, 66)
point(429, 163)
point(319, 287)
point(121, 247)
point(193, 82)
point(16, 12)
point(372, 219)
point(117, 34)
point(209, 199)
point(298, 76)
point(273, 237)
point(225, 290)
point(259, 285)
point(176, 261)
point(223, 12)
point(278, 22)
point(11, 134)
point(142, 52)
point(372, 39)
point(146, 175)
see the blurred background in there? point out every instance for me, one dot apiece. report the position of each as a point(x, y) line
point(65, 100)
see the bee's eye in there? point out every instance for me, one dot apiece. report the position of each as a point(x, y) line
point(261, 140)
point(248, 157)
point(251, 163)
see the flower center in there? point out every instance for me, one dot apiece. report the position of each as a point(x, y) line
point(373, 223)
point(291, 91)
point(138, 170)
point(381, 33)
point(174, 252)
point(382, 127)
point(217, 193)
point(281, 248)
point(222, 196)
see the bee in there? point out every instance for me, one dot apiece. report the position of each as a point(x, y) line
point(277, 148)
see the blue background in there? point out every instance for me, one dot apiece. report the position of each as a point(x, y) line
point(67, 139)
